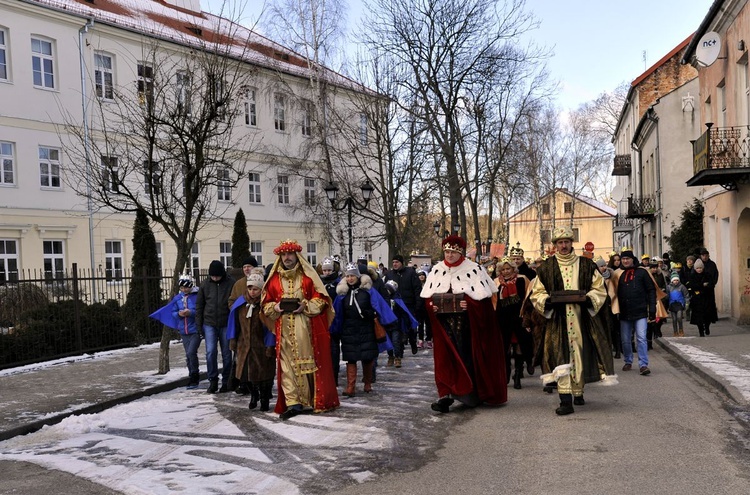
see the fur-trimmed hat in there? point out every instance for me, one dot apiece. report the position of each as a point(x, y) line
point(564, 232)
point(454, 243)
point(288, 246)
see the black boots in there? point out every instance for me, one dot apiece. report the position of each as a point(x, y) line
point(566, 405)
point(265, 396)
point(254, 396)
point(442, 405)
point(578, 401)
point(193, 379)
point(213, 386)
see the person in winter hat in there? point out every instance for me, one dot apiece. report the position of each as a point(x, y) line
point(405, 326)
point(702, 298)
point(679, 299)
point(608, 312)
point(212, 313)
point(179, 313)
point(330, 276)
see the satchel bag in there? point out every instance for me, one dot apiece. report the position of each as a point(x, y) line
point(380, 335)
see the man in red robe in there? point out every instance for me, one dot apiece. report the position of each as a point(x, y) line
point(468, 345)
point(296, 299)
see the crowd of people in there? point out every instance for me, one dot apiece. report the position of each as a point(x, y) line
point(566, 314)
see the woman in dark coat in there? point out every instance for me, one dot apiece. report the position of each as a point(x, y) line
point(356, 307)
point(519, 344)
point(702, 299)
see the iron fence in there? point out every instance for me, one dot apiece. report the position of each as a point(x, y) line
point(48, 315)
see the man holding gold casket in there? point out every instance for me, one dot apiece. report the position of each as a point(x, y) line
point(467, 343)
point(569, 291)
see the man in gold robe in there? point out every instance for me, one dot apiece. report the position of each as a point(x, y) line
point(575, 346)
point(295, 298)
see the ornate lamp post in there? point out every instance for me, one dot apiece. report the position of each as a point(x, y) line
point(349, 203)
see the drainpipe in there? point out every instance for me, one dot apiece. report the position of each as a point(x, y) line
point(650, 115)
point(84, 109)
point(638, 189)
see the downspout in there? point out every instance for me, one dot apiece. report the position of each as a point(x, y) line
point(639, 191)
point(655, 120)
point(87, 157)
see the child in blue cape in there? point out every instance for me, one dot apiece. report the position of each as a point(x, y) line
point(179, 313)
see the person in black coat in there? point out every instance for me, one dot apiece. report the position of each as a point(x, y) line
point(636, 295)
point(408, 282)
point(330, 277)
point(702, 299)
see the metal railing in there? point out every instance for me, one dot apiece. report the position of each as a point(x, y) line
point(643, 207)
point(48, 315)
point(722, 148)
point(622, 165)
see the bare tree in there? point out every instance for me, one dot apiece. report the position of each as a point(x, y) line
point(167, 143)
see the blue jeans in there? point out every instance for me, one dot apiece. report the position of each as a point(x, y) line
point(641, 346)
point(214, 335)
point(397, 339)
point(191, 344)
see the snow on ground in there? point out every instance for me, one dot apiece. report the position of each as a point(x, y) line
point(729, 371)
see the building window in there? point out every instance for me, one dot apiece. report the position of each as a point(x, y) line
point(312, 253)
point(279, 112)
point(54, 260)
point(225, 253)
point(283, 189)
point(363, 129)
point(183, 93)
point(195, 259)
point(309, 192)
point(568, 206)
point(152, 177)
point(49, 167)
point(307, 116)
point(8, 261)
point(254, 181)
point(110, 174)
point(224, 185)
point(42, 63)
point(159, 251)
point(4, 76)
point(575, 235)
point(113, 261)
point(256, 251)
point(722, 104)
point(103, 76)
point(7, 169)
point(145, 84)
point(251, 116)
point(545, 208)
point(745, 77)
point(546, 235)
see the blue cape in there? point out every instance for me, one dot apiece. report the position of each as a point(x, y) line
point(165, 314)
point(269, 338)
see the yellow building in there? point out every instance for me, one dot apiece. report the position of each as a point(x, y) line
point(591, 222)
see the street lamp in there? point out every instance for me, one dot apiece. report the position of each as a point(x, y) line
point(456, 228)
point(349, 202)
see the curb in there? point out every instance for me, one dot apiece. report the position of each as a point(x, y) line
point(92, 409)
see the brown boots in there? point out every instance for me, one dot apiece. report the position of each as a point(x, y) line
point(367, 375)
point(351, 379)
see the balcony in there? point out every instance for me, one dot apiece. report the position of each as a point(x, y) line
point(644, 207)
point(721, 156)
point(622, 224)
point(622, 165)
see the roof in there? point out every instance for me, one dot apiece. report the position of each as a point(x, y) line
point(159, 20)
point(713, 11)
point(589, 201)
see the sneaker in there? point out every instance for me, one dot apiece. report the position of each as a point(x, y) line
point(428, 344)
point(420, 344)
point(627, 367)
point(645, 371)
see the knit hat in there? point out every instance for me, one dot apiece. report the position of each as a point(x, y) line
point(255, 280)
point(600, 262)
point(627, 254)
point(185, 280)
point(675, 276)
point(698, 263)
point(250, 260)
point(398, 258)
point(326, 264)
point(352, 269)
point(216, 269)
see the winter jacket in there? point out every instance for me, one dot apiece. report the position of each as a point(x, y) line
point(409, 285)
point(702, 298)
point(213, 302)
point(636, 294)
point(186, 301)
point(678, 297)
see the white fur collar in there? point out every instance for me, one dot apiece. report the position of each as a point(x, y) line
point(365, 282)
point(467, 278)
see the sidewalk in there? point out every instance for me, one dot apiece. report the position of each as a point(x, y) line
point(31, 398)
point(722, 359)
point(44, 394)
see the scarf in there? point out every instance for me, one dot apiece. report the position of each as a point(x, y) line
point(451, 265)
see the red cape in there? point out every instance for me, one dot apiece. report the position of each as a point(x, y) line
point(451, 376)
point(325, 395)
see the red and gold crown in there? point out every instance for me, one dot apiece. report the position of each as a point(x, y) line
point(454, 243)
point(288, 246)
point(516, 251)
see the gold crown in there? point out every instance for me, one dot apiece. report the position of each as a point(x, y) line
point(516, 251)
point(288, 246)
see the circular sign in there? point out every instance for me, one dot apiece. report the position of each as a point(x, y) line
point(708, 49)
point(589, 246)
